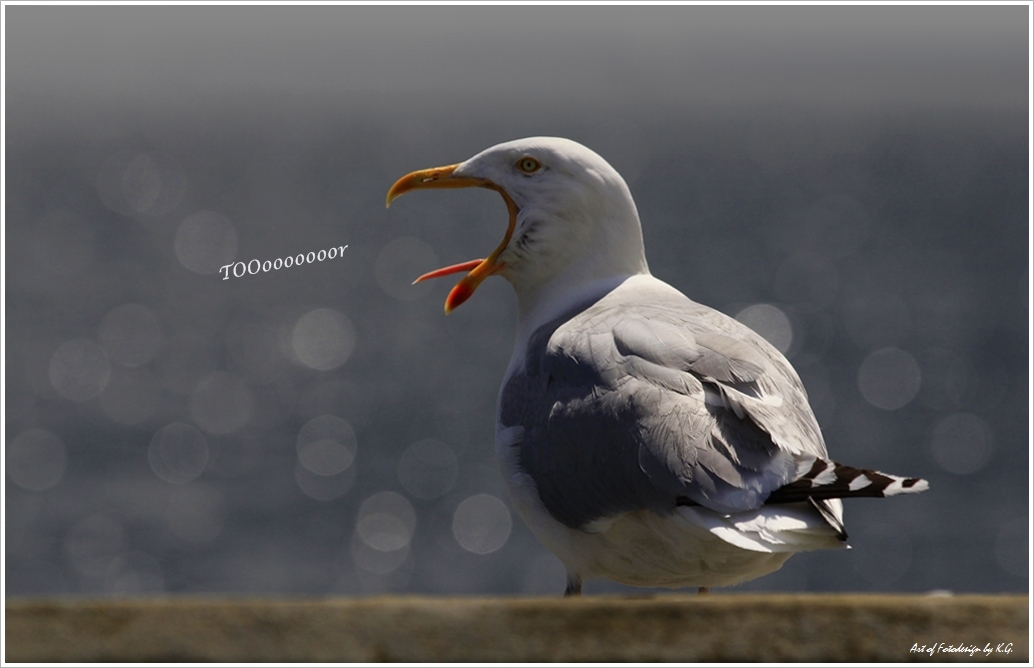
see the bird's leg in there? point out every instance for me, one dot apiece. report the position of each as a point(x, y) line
point(574, 585)
point(702, 590)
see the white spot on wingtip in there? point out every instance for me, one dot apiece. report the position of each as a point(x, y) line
point(827, 477)
point(860, 482)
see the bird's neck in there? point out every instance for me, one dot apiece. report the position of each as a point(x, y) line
point(539, 303)
point(574, 261)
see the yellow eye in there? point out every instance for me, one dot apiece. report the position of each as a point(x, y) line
point(528, 165)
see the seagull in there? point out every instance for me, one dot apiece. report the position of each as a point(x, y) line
point(644, 438)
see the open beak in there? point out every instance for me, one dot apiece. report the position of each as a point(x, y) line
point(479, 270)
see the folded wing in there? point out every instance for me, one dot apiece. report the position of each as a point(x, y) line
point(656, 406)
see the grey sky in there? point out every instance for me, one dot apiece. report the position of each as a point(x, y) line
point(883, 56)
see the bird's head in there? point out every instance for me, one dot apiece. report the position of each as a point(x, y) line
point(572, 218)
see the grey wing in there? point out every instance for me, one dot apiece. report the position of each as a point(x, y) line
point(742, 428)
point(623, 412)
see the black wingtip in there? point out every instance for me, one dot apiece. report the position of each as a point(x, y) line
point(825, 479)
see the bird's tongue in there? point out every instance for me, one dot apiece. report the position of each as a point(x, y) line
point(445, 271)
point(479, 271)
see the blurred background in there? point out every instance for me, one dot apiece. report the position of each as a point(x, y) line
point(850, 181)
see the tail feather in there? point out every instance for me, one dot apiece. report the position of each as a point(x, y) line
point(828, 480)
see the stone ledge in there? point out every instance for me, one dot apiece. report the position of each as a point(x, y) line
point(716, 627)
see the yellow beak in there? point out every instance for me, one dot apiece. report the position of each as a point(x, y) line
point(443, 177)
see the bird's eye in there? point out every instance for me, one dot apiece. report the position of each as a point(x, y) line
point(529, 165)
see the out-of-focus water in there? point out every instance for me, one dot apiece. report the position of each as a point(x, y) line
point(855, 190)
